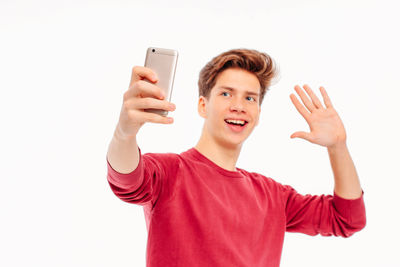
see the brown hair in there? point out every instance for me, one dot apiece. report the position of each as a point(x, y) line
point(260, 64)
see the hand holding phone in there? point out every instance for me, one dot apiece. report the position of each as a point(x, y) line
point(142, 95)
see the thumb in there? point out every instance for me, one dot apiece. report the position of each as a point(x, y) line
point(302, 135)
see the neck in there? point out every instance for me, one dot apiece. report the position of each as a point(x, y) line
point(224, 155)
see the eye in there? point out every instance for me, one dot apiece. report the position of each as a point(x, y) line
point(250, 98)
point(225, 94)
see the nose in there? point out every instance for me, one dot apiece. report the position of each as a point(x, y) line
point(237, 105)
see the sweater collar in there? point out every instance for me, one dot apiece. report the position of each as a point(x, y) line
point(194, 153)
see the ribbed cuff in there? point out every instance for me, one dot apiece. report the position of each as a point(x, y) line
point(353, 209)
point(126, 180)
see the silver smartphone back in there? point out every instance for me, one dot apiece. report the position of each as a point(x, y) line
point(163, 62)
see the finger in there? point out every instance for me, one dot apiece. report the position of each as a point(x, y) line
point(141, 73)
point(152, 103)
point(301, 134)
point(304, 98)
point(314, 98)
point(300, 108)
point(326, 98)
point(144, 89)
point(152, 117)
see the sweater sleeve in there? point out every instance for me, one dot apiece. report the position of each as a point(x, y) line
point(323, 214)
point(143, 185)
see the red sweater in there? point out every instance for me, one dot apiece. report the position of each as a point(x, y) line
point(199, 214)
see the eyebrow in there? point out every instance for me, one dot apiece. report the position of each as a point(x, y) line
point(233, 89)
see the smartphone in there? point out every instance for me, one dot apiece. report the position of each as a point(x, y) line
point(163, 62)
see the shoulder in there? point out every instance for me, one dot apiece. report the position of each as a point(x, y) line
point(268, 187)
point(161, 156)
point(266, 181)
point(160, 161)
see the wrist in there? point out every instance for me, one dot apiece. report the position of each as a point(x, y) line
point(121, 136)
point(340, 146)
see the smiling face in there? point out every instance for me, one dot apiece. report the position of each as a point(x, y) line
point(232, 109)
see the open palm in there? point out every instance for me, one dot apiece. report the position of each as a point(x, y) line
point(326, 127)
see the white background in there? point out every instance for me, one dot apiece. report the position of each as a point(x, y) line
point(64, 66)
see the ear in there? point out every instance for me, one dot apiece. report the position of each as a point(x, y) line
point(202, 107)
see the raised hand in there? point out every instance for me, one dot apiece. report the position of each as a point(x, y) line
point(326, 127)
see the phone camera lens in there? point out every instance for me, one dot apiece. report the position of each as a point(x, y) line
point(154, 50)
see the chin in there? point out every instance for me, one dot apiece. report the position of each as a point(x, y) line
point(232, 142)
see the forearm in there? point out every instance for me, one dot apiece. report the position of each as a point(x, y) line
point(123, 153)
point(347, 184)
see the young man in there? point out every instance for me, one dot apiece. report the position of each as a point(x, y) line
point(202, 210)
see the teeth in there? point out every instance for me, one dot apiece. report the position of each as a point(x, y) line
point(236, 122)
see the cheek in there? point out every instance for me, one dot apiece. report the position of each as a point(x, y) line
point(215, 116)
point(256, 117)
point(215, 109)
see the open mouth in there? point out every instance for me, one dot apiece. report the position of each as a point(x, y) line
point(236, 125)
point(236, 122)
